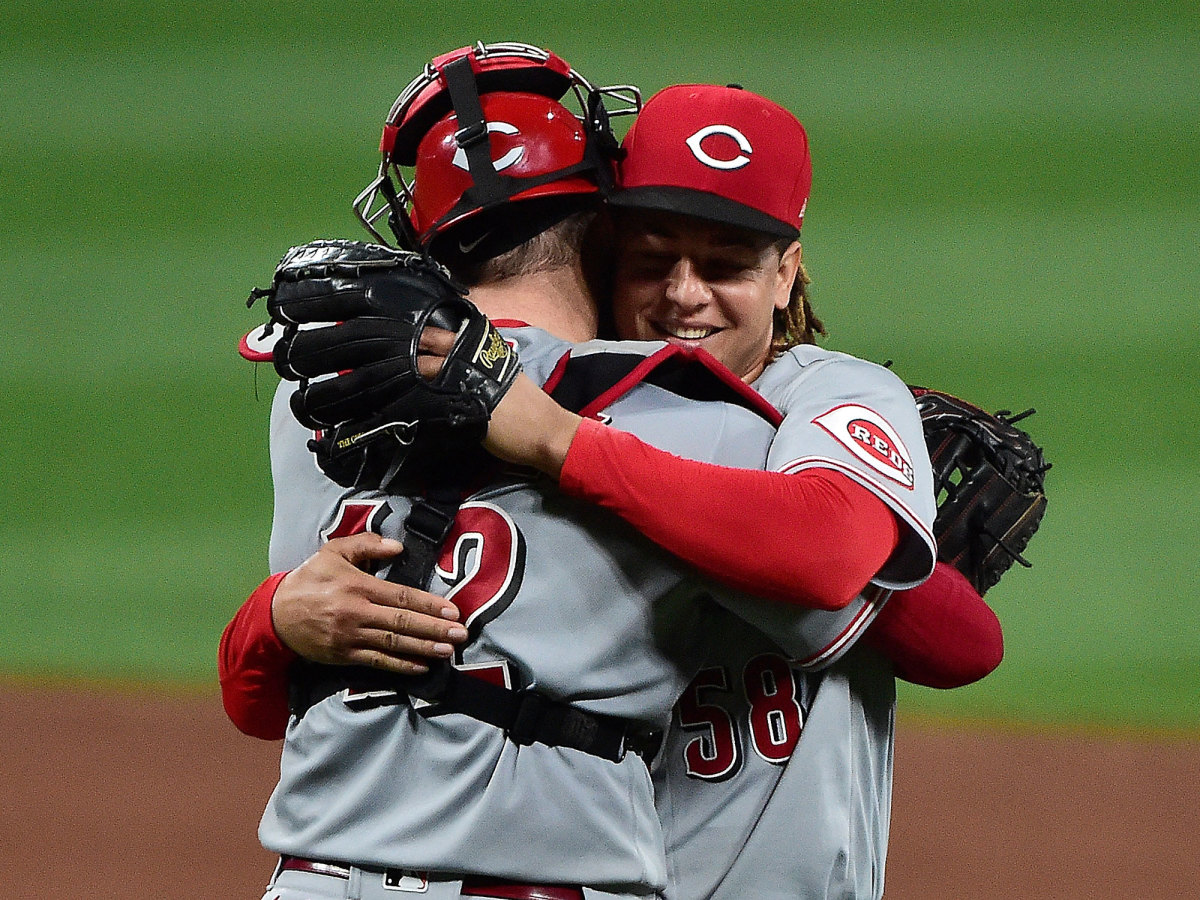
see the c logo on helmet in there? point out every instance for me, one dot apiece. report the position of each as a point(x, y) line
point(696, 140)
point(511, 158)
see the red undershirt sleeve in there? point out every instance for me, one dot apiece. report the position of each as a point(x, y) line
point(941, 634)
point(252, 663)
point(814, 538)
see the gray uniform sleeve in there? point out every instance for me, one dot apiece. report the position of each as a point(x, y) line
point(538, 350)
point(303, 495)
point(857, 418)
point(813, 638)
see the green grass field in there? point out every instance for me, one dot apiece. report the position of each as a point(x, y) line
point(1006, 203)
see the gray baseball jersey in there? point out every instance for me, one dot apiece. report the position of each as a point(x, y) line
point(776, 783)
point(558, 594)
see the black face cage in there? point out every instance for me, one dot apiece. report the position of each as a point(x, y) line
point(391, 192)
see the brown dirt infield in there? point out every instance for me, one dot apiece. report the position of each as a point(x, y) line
point(116, 794)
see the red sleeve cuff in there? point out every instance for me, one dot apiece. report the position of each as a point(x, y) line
point(252, 664)
point(941, 634)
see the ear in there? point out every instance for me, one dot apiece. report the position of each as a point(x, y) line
point(789, 266)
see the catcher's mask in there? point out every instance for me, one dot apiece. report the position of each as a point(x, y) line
point(483, 126)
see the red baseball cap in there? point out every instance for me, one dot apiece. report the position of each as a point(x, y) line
point(723, 154)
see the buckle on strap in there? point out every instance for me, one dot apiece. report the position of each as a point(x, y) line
point(538, 719)
point(470, 135)
point(530, 707)
point(431, 521)
point(645, 743)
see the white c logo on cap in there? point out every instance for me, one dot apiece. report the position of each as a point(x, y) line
point(512, 157)
point(737, 162)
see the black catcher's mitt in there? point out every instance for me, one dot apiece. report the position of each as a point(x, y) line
point(989, 477)
point(352, 315)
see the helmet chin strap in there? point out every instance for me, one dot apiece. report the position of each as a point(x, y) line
point(472, 135)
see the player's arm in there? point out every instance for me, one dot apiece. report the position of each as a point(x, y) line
point(327, 610)
point(252, 665)
point(813, 538)
point(940, 634)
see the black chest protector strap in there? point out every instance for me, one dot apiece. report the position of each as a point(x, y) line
point(526, 716)
point(425, 530)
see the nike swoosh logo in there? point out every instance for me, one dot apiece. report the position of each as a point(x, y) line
point(467, 247)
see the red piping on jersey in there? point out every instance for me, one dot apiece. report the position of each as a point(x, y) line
point(756, 400)
point(875, 599)
point(639, 372)
point(626, 384)
point(560, 369)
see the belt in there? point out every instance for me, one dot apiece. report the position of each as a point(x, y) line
point(474, 884)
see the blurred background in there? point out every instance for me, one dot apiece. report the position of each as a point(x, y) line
point(1006, 203)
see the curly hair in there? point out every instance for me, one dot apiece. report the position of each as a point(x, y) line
point(796, 323)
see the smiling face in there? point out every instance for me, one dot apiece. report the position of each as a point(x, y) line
point(699, 284)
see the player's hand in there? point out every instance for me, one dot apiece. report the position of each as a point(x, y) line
point(527, 427)
point(330, 610)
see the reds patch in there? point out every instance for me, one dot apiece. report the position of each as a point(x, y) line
point(869, 437)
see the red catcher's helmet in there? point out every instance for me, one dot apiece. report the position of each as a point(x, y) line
point(529, 136)
point(486, 148)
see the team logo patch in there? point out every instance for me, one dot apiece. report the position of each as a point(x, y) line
point(869, 437)
point(696, 143)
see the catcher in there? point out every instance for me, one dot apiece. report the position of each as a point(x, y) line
point(704, 767)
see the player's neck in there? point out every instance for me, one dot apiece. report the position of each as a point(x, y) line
point(557, 301)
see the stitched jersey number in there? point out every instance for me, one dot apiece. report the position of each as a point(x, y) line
point(773, 717)
point(713, 755)
point(775, 714)
point(482, 560)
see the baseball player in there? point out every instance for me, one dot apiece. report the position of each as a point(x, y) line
point(459, 778)
point(773, 725)
point(774, 782)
